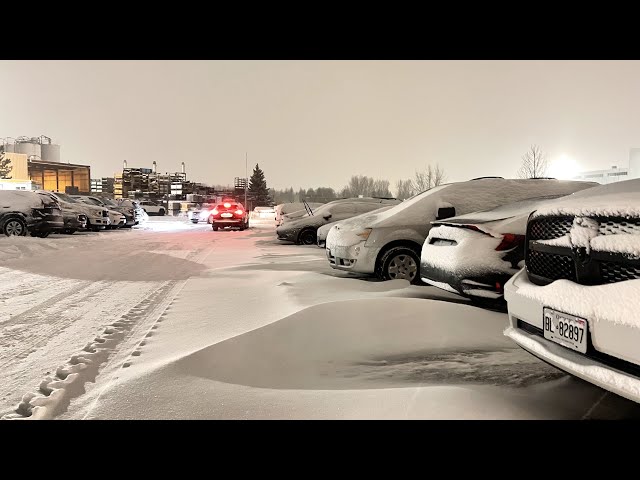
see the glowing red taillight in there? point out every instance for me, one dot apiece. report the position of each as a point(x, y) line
point(214, 212)
point(509, 241)
point(239, 212)
point(227, 205)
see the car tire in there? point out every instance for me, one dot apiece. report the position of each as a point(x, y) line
point(14, 226)
point(194, 221)
point(69, 231)
point(161, 212)
point(307, 237)
point(400, 263)
point(214, 228)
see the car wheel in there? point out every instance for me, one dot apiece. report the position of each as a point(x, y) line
point(215, 229)
point(14, 227)
point(70, 231)
point(307, 237)
point(161, 212)
point(400, 263)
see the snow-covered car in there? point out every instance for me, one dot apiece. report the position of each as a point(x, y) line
point(323, 231)
point(388, 244)
point(575, 304)
point(132, 207)
point(475, 254)
point(74, 220)
point(97, 217)
point(264, 212)
point(117, 218)
point(290, 211)
point(23, 212)
point(152, 208)
point(113, 207)
point(229, 214)
point(303, 230)
point(200, 213)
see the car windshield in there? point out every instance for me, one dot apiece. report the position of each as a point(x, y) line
point(66, 198)
point(109, 202)
point(92, 200)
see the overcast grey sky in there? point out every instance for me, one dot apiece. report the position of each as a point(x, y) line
point(315, 123)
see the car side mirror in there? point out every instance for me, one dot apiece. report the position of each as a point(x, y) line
point(327, 217)
point(446, 212)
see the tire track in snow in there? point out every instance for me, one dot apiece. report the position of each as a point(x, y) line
point(55, 394)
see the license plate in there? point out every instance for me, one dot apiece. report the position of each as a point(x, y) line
point(227, 215)
point(567, 330)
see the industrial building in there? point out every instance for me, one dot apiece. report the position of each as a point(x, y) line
point(615, 173)
point(37, 160)
point(148, 183)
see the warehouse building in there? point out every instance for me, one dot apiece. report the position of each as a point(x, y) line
point(37, 160)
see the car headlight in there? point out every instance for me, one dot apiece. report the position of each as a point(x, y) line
point(365, 233)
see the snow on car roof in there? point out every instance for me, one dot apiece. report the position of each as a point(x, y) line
point(19, 199)
point(617, 199)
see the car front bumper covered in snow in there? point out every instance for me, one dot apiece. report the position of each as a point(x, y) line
point(358, 258)
point(612, 357)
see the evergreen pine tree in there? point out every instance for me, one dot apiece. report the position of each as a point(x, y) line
point(258, 187)
point(5, 165)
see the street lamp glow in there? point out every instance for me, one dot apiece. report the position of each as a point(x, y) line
point(563, 168)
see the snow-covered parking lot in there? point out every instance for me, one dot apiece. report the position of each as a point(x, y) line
point(172, 320)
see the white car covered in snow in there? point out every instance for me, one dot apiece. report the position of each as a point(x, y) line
point(475, 254)
point(323, 231)
point(576, 303)
point(389, 244)
point(152, 208)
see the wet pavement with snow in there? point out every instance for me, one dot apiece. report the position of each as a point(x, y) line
point(172, 320)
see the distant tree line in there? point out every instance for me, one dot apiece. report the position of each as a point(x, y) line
point(365, 186)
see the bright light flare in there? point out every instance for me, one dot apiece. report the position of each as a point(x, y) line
point(563, 168)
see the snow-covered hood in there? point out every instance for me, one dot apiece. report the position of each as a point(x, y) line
point(621, 199)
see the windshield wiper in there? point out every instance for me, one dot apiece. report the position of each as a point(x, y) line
point(307, 207)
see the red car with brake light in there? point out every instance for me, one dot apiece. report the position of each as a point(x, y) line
point(229, 214)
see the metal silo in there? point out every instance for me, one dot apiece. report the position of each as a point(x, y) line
point(50, 152)
point(29, 147)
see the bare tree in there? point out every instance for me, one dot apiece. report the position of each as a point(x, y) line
point(428, 178)
point(535, 163)
point(404, 189)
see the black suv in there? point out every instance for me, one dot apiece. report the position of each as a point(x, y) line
point(23, 212)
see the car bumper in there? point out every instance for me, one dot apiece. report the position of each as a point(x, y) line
point(612, 360)
point(287, 236)
point(357, 258)
point(489, 286)
point(99, 222)
point(228, 222)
